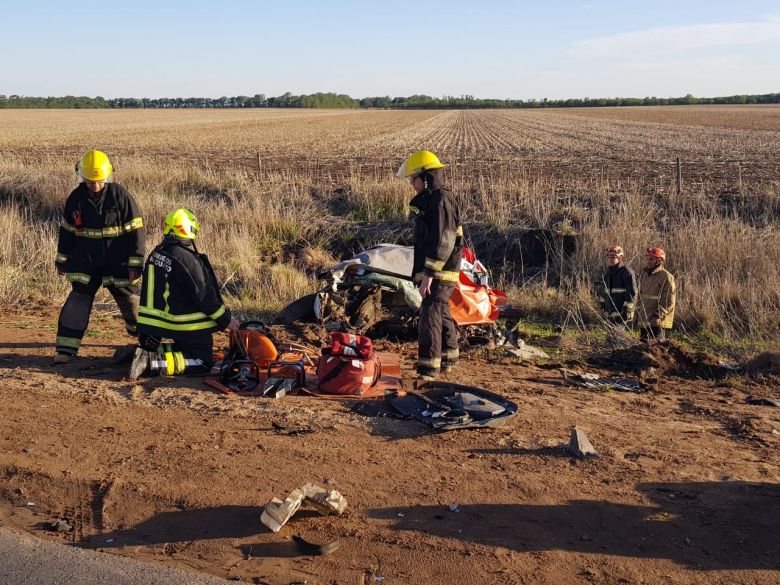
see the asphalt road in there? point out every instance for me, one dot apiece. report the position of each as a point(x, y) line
point(25, 560)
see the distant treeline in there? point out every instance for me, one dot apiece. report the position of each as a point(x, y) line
point(332, 100)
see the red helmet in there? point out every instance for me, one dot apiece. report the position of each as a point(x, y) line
point(656, 253)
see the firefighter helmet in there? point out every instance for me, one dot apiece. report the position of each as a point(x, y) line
point(182, 223)
point(656, 253)
point(419, 162)
point(94, 166)
point(615, 252)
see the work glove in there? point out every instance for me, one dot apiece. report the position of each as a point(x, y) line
point(134, 276)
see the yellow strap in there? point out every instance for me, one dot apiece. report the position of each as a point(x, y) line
point(169, 362)
point(434, 264)
point(170, 316)
point(134, 224)
point(78, 277)
point(446, 276)
point(179, 357)
point(176, 327)
point(149, 286)
point(218, 313)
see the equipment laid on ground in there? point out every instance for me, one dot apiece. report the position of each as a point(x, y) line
point(446, 406)
point(348, 365)
point(256, 364)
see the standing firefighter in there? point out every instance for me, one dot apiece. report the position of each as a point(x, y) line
point(180, 301)
point(101, 242)
point(618, 293)
point(438, 244)
point(657, 297)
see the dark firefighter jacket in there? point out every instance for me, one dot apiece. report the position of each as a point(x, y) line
point(618, 292)
point(180, 293)
point(104, 233)
point(438, 236)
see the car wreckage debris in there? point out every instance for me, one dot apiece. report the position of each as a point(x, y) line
point(277, 512)
point(580, 446)
point(311, 548)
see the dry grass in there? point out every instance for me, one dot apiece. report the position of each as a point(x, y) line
point(271, 182)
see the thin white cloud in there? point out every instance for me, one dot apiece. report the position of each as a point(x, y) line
point(675, 39)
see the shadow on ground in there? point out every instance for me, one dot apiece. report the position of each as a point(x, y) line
point(708, 525)
point(185, 526)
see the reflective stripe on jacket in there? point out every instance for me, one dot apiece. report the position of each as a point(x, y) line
point(103, 231)
point(438, 236)
point(180, 292)
point(657, 297)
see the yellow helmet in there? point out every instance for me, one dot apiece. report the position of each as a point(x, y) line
point(182, 223)
point(419, 162)
point(94, 166)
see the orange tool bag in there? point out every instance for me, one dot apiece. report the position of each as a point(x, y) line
point(348, 365)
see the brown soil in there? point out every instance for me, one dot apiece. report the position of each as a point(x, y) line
point(685, 491)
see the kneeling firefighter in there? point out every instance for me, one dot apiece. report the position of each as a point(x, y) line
point(101, 242)
point(181, 302)
point(438, 245)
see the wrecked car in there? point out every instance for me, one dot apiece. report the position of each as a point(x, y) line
point(373, 293)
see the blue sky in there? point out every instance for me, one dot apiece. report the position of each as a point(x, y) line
point(554, 49)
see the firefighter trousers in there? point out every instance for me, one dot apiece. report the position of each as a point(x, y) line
point(187, 355)
point(438, 336)
point(74, 316)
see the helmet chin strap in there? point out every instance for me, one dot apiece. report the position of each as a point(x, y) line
point(427, 180)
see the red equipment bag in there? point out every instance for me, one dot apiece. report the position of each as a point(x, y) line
point(348, 365)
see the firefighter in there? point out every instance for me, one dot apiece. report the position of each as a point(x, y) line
point(657, 298)
point(438, 244)
point(180, 302)
point(618, 293)
point(101, 242)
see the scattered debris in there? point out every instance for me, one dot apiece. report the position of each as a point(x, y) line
point(596, 382)
point(291, 430)
point(454, 508)
point(310, 548)
point(526, 352)
point(278, 387)
point(61, 525)
point(278, 512)
point(326, 501)
point(762, 401)
point(377, 409)
point(580, 446)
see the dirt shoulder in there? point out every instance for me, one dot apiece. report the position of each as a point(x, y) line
point(169, 471)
